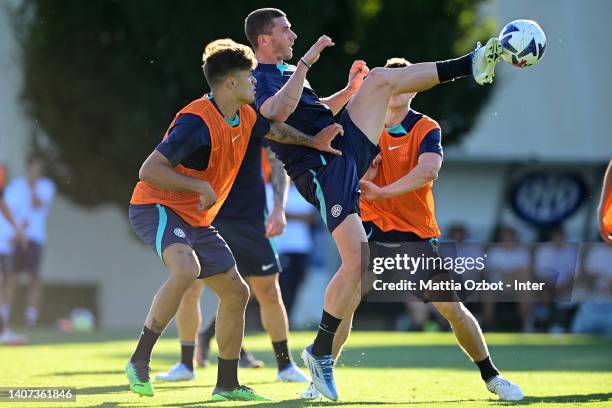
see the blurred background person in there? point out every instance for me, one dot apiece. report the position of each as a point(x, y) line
point(30, 198)
point(594, 314)
point(295, 245)
point(555, 265)
point(458, 234)
point(11, 235)
point(507, 260)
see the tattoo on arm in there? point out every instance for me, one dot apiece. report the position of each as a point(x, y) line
point(283, 133)
point(278, 178)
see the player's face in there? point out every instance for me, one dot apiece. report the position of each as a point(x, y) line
point(401, 100)
point(244, 86)
point(282, 39)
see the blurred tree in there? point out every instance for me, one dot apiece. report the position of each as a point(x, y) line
point(103, 78)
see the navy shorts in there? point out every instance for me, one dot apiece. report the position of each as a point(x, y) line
point(376, 234)
point(159, 226)
point(28, 258)
point(333, 187)
point(255, 254)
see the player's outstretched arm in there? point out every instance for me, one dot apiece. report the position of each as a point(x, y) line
point(280, 186)
point(359, 70)
point(282, 104)
point(283, 133)
point(372, 169)
point(426, 170)
point(158, 171)
point(606, 193)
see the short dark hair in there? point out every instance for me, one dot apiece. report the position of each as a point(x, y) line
point(260, 21)
point(223, 56)
point(397, 63)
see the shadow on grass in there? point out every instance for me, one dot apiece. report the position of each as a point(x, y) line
point(594, 357)
point(111, 389)
point(564, 399)
point(591, 357)
point(124, 388)
point(293, 403)
point(40, 337)
point(76, 373)
point(107, 389)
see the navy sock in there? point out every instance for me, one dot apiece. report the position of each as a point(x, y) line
point(455, 68)
point(325, 336)
point(227, 374)
point(487, 369)
point(187, 349)
point(281, 352)
point(147, 340)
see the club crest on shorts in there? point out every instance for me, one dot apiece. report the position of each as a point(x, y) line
point(179, 233)
point(336, 210)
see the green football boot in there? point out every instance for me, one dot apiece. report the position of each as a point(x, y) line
point(240, 393)
point(138, 376)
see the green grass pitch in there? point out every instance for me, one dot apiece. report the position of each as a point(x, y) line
point(377, 369)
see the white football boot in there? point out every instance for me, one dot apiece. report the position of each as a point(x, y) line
point(484, 60)
point(505, 389)
point(292, 373)
point(179, 372)
point(311, 393)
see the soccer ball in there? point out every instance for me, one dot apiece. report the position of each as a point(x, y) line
point(523, 43)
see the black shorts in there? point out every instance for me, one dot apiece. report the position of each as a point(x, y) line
point(160, 227)
point(388, 244)
point(255, 254)
point(28, 258)
point(333, 187)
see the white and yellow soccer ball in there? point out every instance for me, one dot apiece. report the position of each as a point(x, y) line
point(523, 43)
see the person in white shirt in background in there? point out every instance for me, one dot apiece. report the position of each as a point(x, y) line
point(30, 198)
point(555, 263)
point(594, 291)
point(11, 234)
point(295, 245)
point(507, 260)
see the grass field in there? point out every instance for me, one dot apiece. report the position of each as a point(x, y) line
point(377, 369)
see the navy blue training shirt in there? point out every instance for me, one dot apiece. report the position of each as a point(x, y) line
point(189, 144)
point(431, 143)
point(310, 116)
point(246, 201)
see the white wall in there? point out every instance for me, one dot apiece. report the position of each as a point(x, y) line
point(13, 132)
point(559, 109)
point(99, 247)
